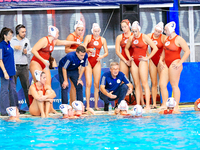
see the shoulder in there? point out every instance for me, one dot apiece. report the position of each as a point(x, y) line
point(47, 87)
point(119, 37)
point(70, 37)
point(149, 35)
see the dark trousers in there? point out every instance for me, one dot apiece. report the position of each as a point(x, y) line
point(8, 94)
point(73, 75)
point(23, 73)
point(120, 93)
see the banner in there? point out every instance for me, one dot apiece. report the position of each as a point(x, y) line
point(30, 4)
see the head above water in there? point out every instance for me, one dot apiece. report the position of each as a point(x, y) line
point(171, 102)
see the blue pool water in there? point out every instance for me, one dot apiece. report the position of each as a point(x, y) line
point(103, 132)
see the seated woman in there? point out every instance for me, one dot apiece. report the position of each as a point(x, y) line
point(40, 96)
point(197, 105)
point(13, 113)
point(79, 109)
point(67, 111)
point(171, 103)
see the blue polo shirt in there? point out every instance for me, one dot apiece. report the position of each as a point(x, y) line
point(112, 84)
point(72, 62)
point(7, 56)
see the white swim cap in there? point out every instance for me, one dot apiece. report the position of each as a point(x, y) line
point(95, 26)
point(171, 26)
point(52, 30)
point(160, 26)
point(137, 110)
point(123, 105)
point(171, 102)
point(12, 111)
point(64, 108)
point(37, 74)
point(136, 25)
point(78, 24)
point(77, 105)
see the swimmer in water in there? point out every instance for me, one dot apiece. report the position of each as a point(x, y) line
point(171, 104)
point(67, 111)
point(79, 109)
point(13, 113)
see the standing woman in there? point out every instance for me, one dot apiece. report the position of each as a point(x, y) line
point(42, 50)
point(121, 40)
point(139, 64)
point(171, 57)
point(158, 38)
point(94, 43)
point(76, 36)
point(7, 71)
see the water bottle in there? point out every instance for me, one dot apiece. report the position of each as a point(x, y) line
point(104, 64)
point(110, 107)
point(93, 52)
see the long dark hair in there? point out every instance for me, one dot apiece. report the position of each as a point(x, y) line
point(4, 31)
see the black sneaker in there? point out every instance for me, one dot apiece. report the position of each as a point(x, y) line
point(116, 106)
point(106, 107)
point(22, 111)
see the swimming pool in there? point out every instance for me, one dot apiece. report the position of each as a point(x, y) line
point(103, 132)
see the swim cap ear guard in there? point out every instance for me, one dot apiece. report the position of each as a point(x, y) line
point(136, 25)
point(95, 26)
point(12, 111)
point(65, 108)
point(77, 105)
point(52, 31)
point(37, 74)
point(78, 24)
point(171, 26)
point(137, 110)
point(171, 102)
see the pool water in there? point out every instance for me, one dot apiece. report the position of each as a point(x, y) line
point(103, 132)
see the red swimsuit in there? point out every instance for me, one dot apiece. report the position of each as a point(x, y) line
point(160, 45)
point(172, 51)
point(97, 44)
point(123, 45)
point(76, 39)
point(44, 53)
point(139, 49)
point(30, 97)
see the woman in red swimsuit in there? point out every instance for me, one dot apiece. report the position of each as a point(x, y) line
point(139, 62)
point(76, 36)
point(42, 49)
point(121, 40)
point(94, 42)
point(158, 38)
point(171, 63)
point(40, 95)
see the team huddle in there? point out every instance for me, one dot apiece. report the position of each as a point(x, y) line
point(84, 58)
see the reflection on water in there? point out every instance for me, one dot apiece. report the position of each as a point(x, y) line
point(103, 132)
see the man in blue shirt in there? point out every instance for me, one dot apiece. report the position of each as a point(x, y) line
point(114, 85)
point(68, 68)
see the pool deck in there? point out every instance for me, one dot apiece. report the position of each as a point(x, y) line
point(182, 107)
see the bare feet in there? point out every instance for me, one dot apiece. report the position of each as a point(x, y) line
point(97, 108)
point(162, 108)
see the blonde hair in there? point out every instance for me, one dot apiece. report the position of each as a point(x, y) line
point(114, 64)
